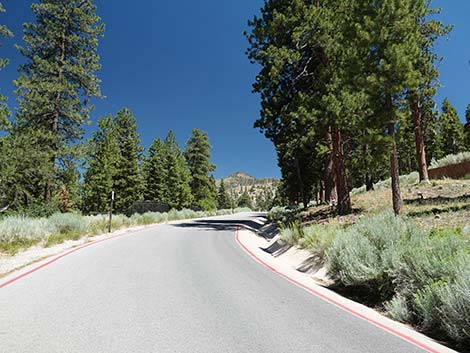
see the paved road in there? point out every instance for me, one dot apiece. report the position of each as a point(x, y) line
point(180, 288)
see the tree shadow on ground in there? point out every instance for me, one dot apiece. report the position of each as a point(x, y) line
point(225, 224)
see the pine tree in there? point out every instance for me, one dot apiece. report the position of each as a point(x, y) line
point(421, 97)
point(128, 182)
point(178, 191)
point(451, 132)
point(467, 129)
point(197, 154)
point(59, 76)
point(223, 198)
point(392, 29)
point(24, 169)
point(245, 200)
point(4, 112)
point(102, 160)
point(155, 174)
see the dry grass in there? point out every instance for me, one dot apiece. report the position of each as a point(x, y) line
point(440, 204)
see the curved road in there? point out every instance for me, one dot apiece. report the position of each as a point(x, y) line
point(175, 288)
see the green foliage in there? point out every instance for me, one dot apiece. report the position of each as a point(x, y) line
point(155, 173)
point(455, 302)
point(14, 228)
point(451, 130)
point(102, 158)
point(177, 190)
point(197, 154)
point(397, 308)
point(421, 278)
point(467, 129)
point(318, 239)
point(245, 200)
point(127, 180)
point(65, 223)
point(292, 234)
point(451, 159)
point(56, 82)
point(343, 66)
point(223, 198)
point(25, 168)
point(4, 112)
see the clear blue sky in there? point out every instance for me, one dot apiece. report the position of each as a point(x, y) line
point(181, 64)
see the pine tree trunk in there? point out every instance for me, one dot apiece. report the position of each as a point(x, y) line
point(344, 201)
point(303, 194)
point(329, 175)
point(396, 196)
point(419, 139)
point(369, 178)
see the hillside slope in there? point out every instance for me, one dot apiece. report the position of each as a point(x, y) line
point(259, 190)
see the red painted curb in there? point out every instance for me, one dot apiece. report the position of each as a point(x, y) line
point(14, 279)
point(336, 303)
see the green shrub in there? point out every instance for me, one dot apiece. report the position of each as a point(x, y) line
point(318, 239)
point(16, 228)
point(354, 261)
point(69, 223)
point(365, 253)
point(98, 224)
point(397, 309)
point(426, 305)
point(409, 179)
point(291, 235)
point(451, 159)
point(424, 260)
point(455, 301)
point(38, 209)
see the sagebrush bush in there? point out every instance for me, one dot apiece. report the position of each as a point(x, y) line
point(426, 303)
point(364, 254)
point(397, 309)
point(421, 278)
point(354, 261)
point(424, 259)
point(69, 223)
point(17, 228)
point(451, 159)
point(405, 180)
point(454, 299)
point(318, 238)
point(291, 235)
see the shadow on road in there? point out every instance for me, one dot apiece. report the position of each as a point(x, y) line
point(224, 224)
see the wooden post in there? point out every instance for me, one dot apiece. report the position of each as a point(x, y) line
point(111, 212)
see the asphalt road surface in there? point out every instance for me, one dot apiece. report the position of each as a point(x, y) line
point(175, 288)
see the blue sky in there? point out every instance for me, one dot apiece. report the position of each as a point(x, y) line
point(181, 64)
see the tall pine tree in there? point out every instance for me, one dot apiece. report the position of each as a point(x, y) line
point(102, 159)
point(178, 192)
point(197, 154)
point(59, 76)
point(155, 174)
point(451, 132)
point(128, 182)
point(223, 198)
